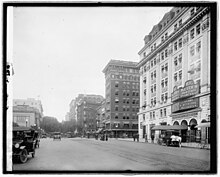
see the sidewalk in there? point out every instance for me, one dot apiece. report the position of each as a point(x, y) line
point(187, 145)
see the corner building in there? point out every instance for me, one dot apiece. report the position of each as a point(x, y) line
point(175, 74)
point(122, 98)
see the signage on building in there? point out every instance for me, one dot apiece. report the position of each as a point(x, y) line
point(188, 90)
point(184, 105)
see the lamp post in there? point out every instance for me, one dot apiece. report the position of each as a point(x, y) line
point(116, 126)
point(26, 122)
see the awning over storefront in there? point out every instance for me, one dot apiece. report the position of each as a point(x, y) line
point(205, 124)
point(170, 127)
point(99, 130)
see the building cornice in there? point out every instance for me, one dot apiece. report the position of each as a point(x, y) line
point(186, 25)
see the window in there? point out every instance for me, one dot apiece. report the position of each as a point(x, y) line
point(162, 97)
point(127, 108)
point(192, 33)
point(144, 54)
point(166, 53)
point(162, 83)
point(180, 58)
point(133, 102)
point(180, 43)
point(124, 100)
point(154, 100)
point(162, 38)
point(150, 115)
point(116, 84)
point(154, 45)
point(162, 68)
point(175, 27)
point(166, 35)
point(192, 50)
point(175, 77)
point(116, 92)
point(198, 29)
point(128, 101)
point(116, 100)
point(145, 69)
point(155, 74)
point(166, 97)
point(166, 67)
point(152, 90)
point(123, 108)
point(153, 114)
point(116, 116)
point(154, 61)
point(165, 112)
point(198, 47)
point(192, 11)
point(162, 56)
point(175, 46)
point(152, 76)
point(180, 22)
point(154, 87)
point(143, 116)
point(152, 48)
point(175, 61)
point(124, 92)
point(128, 93)
point(152, 64)
point(166, 82)
point(161, 113)
point(116, 108)
point(180, 75)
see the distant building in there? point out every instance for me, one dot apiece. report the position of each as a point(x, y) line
point(122, 98)
point(87, 113)
point(27, 116)
point(67, 116)
point(101, 115)
point(27, 112)
point(175, 73)
point(72, 109)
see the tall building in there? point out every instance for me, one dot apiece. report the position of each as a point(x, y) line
point(175, 73)
point(101, 115)
point(72, 111)
point(67, 116)
point(86, 111)
point(122, 98)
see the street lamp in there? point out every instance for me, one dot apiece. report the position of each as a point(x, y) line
point(116, 130)
point(26, 122)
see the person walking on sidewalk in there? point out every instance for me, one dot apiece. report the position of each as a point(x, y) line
point(137, 137)
point(134, 137)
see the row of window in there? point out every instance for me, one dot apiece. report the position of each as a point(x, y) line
point(192, 31)
point(178, 60)
point(125, 77)
point(163, 113)
point(127, 117)
point(178, 44)
point(134, 101)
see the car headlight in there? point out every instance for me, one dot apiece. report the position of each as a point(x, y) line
point(16, 145)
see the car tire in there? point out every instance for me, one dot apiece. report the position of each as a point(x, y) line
point(23, 157)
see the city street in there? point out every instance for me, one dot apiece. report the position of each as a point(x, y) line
point(90, 154)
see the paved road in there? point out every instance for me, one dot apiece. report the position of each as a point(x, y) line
point(89, 154)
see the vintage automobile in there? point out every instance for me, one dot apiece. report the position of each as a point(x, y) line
point(56, 135)
point(24, 143)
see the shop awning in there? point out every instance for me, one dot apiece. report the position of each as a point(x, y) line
point(205, 124)
point(99, 130)
point(170, 127)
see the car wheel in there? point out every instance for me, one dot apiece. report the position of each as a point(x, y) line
point(23, 156)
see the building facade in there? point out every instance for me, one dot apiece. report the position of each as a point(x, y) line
point(175, 73)
point(122, 98)
point(87, 113)
point(24, 115)
point(27, 112)
point(101, 115)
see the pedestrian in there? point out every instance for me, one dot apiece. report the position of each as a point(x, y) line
point(106, 138)
point(137, 137)
point(134, 137)
point(146, 138)
point(152, 138)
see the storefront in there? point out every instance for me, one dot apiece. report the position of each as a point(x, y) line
point(186, 111)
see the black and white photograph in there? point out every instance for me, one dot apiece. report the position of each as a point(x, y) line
point(106, 87)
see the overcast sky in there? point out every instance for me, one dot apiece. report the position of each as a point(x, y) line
point(59, 53)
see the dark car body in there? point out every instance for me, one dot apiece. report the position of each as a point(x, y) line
point(24, 143)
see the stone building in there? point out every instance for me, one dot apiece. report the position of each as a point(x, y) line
point(122, 98)
point(175, 73)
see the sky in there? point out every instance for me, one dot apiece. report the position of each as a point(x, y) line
point(60, 52)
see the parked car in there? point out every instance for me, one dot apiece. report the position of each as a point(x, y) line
point(57, 135)
point(24, 143)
